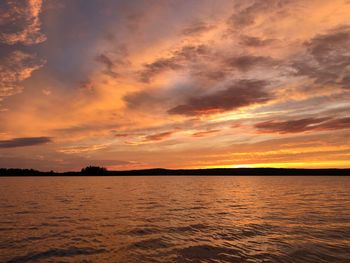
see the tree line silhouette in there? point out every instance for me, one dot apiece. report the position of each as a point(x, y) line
point(96, 171)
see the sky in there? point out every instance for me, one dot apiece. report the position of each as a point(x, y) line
point(174, 84)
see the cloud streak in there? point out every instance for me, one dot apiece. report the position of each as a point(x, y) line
point(248, 62)
point(159, 136)
point(303, 125)
point(24, 142)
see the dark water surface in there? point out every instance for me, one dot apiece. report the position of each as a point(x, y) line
point(175, 219)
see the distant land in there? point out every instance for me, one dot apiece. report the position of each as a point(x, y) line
point(93, 171)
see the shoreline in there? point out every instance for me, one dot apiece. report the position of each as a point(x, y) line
point(187, 172)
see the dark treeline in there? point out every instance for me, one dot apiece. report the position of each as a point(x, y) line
point(23, 172)
point(94, 170)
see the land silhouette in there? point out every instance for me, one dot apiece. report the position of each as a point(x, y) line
point(96, 170)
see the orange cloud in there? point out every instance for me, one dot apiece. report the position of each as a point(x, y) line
point(20, 22)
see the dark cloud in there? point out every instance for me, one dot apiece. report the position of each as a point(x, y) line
point(102, 58)
point(177, 60)
point(345, 81)
point(20, 23)
point(290, 126)
point(255, 41)
point(303, 125)
point(336, 124)
point(122, 135)
point(22, 142)
point(326, 47)
point(156, 67)
point(293, 141)
point(134, 21)
point(218, 67)
point(112, 60)
point(204, 133)
point(108, 63)
point(86, 128)
point(247, 14)
point(243, 18)
point(86, 85)
point(239, 94)
point(247, 62)
point(328, 58)
point(204, 63)
point(210, 74)
point(155, 100)
point(159, 136)
point(190, 52)
point(197, 28)
point(144, 98)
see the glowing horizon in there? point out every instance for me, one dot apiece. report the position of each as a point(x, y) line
point(174, 84)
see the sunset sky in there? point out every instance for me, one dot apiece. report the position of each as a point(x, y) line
point(174, 84)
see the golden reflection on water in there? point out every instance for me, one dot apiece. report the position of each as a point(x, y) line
point(175, 219)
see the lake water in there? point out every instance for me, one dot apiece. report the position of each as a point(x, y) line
point(175, 219)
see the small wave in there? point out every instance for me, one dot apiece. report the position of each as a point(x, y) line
point(143, 231)
point(310, 255)
point(25, 212)
point(27, 240)
point(154, 243)
point(207, 252)
point(7, 229)
point(189, 228)
point(7, 206)
point(198, 207)
point(57, 252)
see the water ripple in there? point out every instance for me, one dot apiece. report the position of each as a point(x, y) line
point(175, 219)
point(57, 252)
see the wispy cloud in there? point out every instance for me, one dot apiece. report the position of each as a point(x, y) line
point(83, 148)
point(177, 60)
point(197, 28)
point(16, 67)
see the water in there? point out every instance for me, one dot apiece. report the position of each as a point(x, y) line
point(175, 219)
